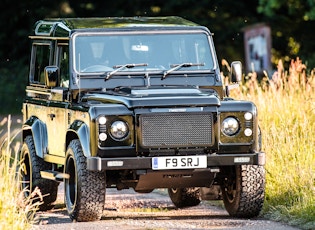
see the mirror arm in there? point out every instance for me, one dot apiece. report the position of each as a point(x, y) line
point(228, 88)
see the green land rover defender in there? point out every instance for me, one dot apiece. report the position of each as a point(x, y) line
point(136, 103)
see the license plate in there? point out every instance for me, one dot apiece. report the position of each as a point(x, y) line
point(179, 162)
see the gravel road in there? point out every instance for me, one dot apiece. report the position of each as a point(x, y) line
point(127, 210)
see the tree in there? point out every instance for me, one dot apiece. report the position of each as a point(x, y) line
point(292, 24)
point(18, 18)
point(224, 18)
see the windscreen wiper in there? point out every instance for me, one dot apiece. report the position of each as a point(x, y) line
point(121, 67)
point(178, 66)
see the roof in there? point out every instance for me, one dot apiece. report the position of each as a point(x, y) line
point(62, 27)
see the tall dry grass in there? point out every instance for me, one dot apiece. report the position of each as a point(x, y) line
point(286, 105)
point(16, 212)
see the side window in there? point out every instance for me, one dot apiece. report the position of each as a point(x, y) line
point(63, 63)
point(40, 59)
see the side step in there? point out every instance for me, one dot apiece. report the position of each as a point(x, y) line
point(53, 175)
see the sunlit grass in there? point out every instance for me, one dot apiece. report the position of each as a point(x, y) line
point(286, 106)
point(16, 212)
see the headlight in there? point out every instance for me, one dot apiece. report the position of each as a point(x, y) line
point(119, 130)
point(230, 126)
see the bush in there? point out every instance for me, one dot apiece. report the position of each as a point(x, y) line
point(12, 87)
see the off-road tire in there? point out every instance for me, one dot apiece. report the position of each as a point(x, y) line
point(84, 190)
point(184, 197)
point(29, 171)
point(243, 191)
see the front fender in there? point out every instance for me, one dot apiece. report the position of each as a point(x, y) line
point(38, 129)
point(79, 130)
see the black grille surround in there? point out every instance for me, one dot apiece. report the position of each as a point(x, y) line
point(175, 130)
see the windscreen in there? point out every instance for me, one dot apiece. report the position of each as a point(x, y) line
point(95, 53)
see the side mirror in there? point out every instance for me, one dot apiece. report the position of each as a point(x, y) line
point(236, 71)
point(236, 77)
point(51, 75)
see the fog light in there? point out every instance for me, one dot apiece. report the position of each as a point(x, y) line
point(248, 132)
point(102, 136)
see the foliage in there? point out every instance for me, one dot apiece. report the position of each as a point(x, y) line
point(303, 9)
point(12, 87)
point(286, 106)
point(291, 22)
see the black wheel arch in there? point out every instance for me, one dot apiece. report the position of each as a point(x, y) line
point(38, 130)
point(79, 130)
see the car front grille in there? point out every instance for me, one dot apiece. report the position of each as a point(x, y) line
point(176, 130)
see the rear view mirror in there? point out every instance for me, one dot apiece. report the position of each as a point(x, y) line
point(140, 48)
point(236, 77)
point(236, 71)
point(51, 75)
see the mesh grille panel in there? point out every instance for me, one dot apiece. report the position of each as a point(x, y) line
point(176, 130)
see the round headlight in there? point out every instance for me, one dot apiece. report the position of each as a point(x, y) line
point(119, 130)
point(230, 126)
point(102, 120)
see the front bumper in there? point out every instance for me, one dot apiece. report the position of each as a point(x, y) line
point(99, 164)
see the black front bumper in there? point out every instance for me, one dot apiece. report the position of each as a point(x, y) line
point(99, 164)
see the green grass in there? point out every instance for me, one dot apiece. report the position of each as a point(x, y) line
point(286, 108)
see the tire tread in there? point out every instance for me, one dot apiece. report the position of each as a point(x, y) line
point(91, 193)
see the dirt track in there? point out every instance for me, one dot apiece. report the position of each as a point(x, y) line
point(129, 210)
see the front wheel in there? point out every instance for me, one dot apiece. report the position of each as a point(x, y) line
point(243, 190)
point(184, 197)
point(84, 190)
